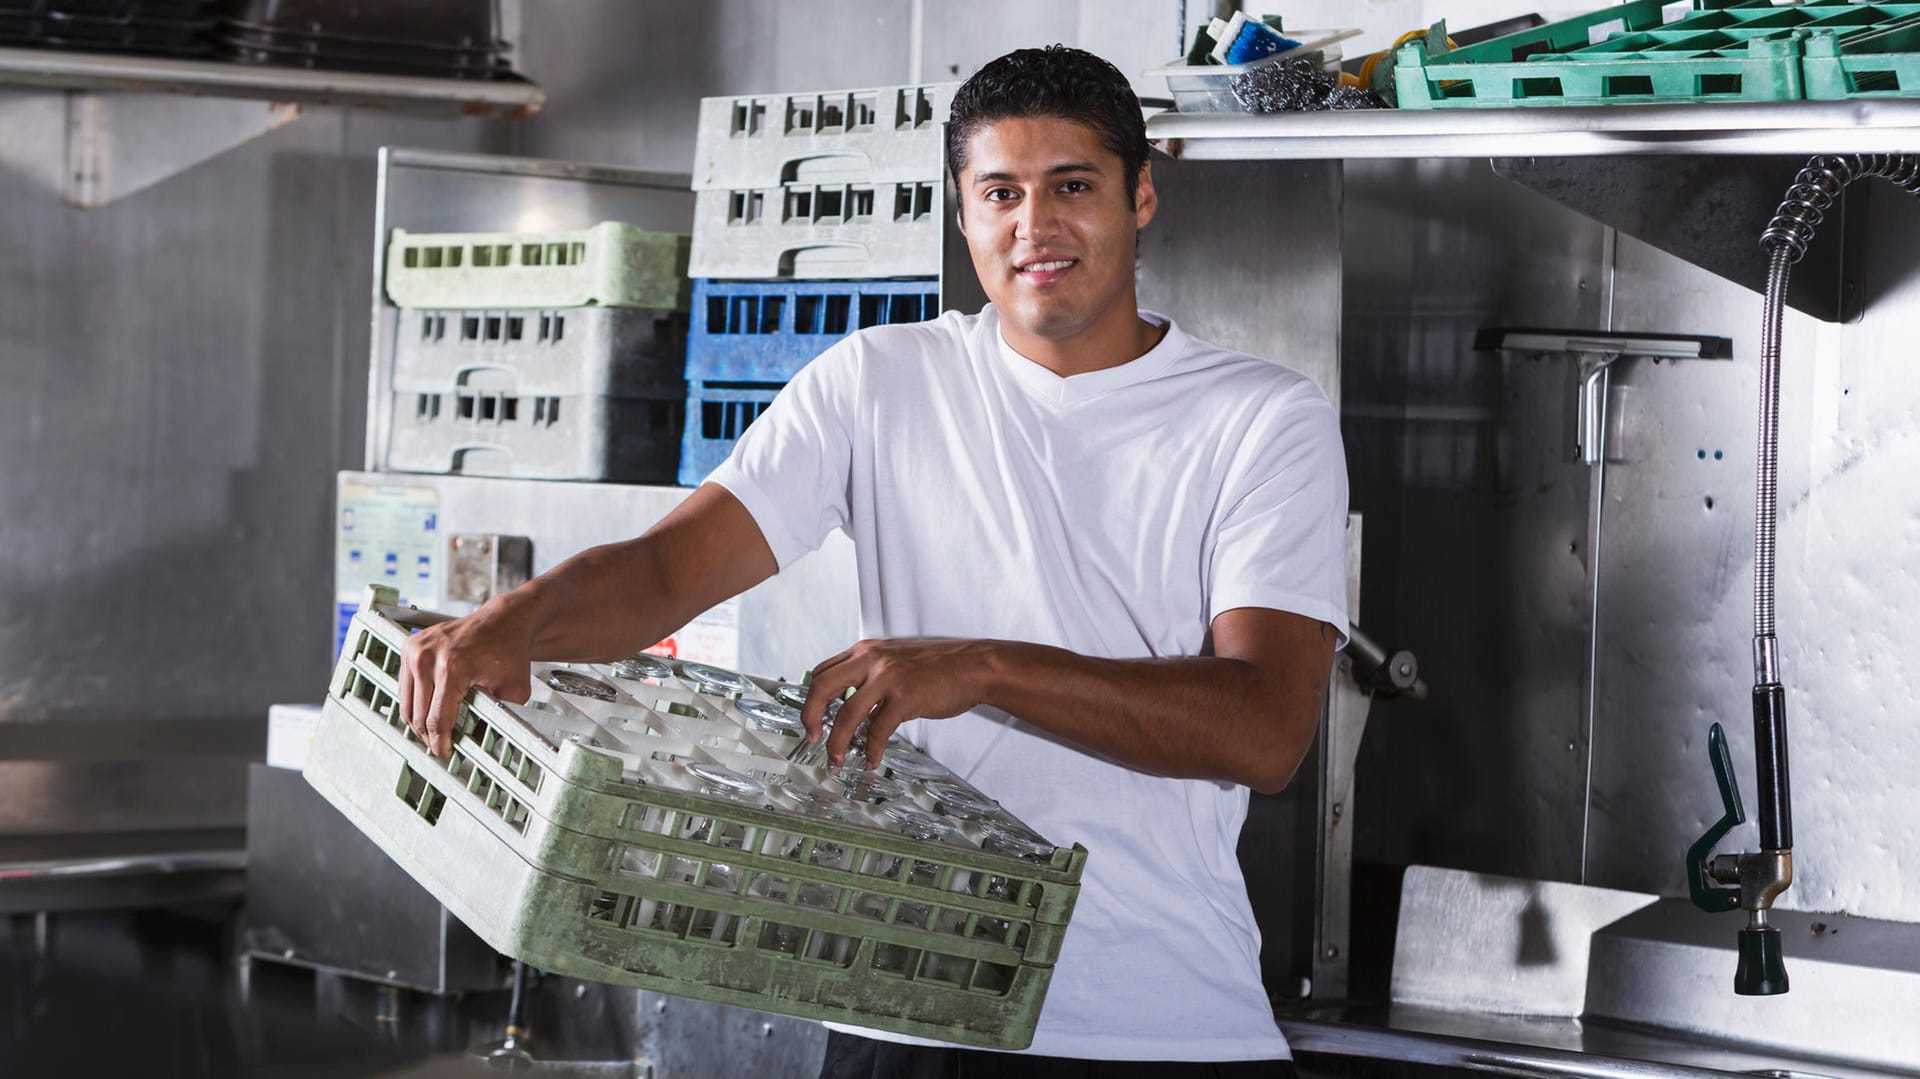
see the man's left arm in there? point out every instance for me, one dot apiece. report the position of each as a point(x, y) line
point(1246, 713)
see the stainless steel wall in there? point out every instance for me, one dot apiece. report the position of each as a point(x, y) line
point(1474, 534)
point(1477, 536)
point(184, 372)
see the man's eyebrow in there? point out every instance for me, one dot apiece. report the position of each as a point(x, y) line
point(1054, 170)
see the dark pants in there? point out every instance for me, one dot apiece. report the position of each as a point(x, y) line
point(850, 1056)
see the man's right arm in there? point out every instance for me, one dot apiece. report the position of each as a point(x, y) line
point(600, 605)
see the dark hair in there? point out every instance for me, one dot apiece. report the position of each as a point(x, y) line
point(1057, 81)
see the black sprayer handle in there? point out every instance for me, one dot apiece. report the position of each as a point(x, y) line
point(1775, 809)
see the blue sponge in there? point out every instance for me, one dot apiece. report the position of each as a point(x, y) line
point(1241, 40)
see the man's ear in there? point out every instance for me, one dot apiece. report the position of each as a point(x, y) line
point(1145, 200)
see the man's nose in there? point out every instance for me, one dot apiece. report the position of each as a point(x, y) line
point(1038, 219)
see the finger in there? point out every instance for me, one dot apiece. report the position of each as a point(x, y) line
point(515, 686)
point(885, 720)
point(446, 705)
point(813, 712)
point(519, 684)
point(847, 723)
point(420, 698)
point(821, 667)
point(821, 691)
point(855, 656)
point(404, 703)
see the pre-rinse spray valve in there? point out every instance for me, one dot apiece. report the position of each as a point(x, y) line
point(1751, 881)
point(1748, 881)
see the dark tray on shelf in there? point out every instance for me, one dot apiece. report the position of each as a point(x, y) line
point(447, 24)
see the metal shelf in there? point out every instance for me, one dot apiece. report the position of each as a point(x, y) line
point(108, 125)
point(1627, 166)
point(1734, 128)
point(55, 70)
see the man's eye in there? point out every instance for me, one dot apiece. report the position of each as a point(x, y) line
point(999, 194)
point(1074, 187)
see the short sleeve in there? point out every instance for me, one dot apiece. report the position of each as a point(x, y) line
point(1281, 541)
point(791, 466)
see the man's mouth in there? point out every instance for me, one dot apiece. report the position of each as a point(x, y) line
point(1046, 266)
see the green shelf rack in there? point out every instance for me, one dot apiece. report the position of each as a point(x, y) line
point(1624, 54)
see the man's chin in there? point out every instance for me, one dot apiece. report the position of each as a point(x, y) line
point(1045, 323)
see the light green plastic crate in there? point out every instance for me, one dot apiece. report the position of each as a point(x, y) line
point(582, 861)
point(582, 812)
point(612, 264)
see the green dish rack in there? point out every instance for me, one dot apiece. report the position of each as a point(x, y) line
point(1862, 51)
point(1749, 50)
point(1625, 54)
point(647, 832)
point(612, 264)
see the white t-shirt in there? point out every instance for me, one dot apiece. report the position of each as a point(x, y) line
point(1113, 514)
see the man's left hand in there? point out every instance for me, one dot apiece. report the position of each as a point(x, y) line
point(894, 681)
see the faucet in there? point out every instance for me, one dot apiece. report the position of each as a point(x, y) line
point(1750, 880)
point(1753, 880)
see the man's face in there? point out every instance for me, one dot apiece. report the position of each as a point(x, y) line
point(1045, 212)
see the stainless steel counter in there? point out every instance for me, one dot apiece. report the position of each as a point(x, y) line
point(1519, 1046)
point(1528, 977)
point(109, 814)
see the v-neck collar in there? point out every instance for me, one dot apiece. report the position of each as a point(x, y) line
point(1045, 386)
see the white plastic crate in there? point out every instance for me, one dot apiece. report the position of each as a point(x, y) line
point(818, 231)
point(639, 823)
point(526, 352)
point(888, 134)
point(478, 430)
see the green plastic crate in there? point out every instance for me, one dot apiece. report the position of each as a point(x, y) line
point(1862, 51)
point(583, 859)
point(612, 264)
point(1749, 51)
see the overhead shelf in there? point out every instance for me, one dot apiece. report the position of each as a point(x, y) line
point(1734, 128)
point(1697, 181)
point(55, 70)
point(111, 125)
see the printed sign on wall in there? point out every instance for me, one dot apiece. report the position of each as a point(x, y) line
point(385, 534)
point(713, 637)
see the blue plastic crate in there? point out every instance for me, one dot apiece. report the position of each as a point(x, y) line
point(717, 413)
point(765, 331)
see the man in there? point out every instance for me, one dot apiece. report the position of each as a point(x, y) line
point(1101, 568)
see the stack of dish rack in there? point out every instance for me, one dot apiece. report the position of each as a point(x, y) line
point(458, 39)
point(550, 355)
point(641, 824)
point(815, 215)
point(180, 28)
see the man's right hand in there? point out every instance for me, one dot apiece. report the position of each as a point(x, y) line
point(492, 648)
